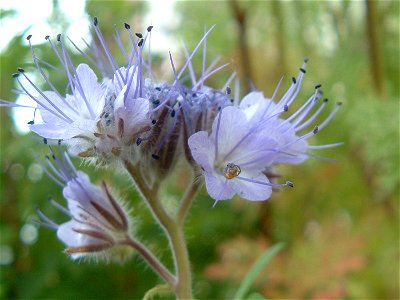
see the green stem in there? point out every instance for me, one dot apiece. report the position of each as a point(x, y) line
point(150, 259)
point(183, 287)
point(186, 202)
point(174, 231)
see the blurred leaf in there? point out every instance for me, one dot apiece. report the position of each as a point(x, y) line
point(256, 269)
point(256, 296)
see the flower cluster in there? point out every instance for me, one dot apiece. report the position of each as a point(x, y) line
point(130, 118)
point(98, 222)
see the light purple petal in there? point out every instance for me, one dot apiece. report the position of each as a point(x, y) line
point(92, 90)
point(119, 83)
point(71, 238)
point(253, 191)
point(255, 106)
point(50, 117)
point(80, 193)
point(134, 112)
point(233, 128)
point(218, 186)
point(202, 149)
point(50, 131)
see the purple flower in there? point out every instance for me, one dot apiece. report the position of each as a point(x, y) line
point(226, 162)
point(74, 115)
point(98, 222)
point(246, 141)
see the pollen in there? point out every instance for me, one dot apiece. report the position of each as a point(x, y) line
point(232, 171)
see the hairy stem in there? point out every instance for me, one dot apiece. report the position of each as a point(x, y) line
point(186, 202)
point(151, 260)
point(173, 230)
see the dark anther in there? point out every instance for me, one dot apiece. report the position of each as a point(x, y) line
point(59, 37)
point(325, 100)
point(59, 142)
point(106, 115)
point(53, 157)
point(138, 141)
point(29, 37)
point(45, 141)
point(315, 130)
point(46, 37)
point(219, 108)
point(31, 122)
point(302, 71)
point(318, 86)
point(21, 70)
point(15, 75)
point(294, 80)
point(155, 156)
point(339, 103)
point(232, 100)
point(95, 21)
point(149, 28)
point(306, 59)
point(228, 90)
point(172, 113)
point(156, 102)
point(47, 157)
point(127, 26)
point(140, 42)
point(285, 107)
point(139, 35)
point(194, 95)
point(158, 89)
point(153, 122)
point(289, 183)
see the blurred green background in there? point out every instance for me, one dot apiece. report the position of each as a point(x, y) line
point(340, 223)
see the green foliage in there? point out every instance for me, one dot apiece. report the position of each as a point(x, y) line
point(340, 222)
point(255, 270)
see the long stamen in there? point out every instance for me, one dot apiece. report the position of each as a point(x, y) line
point(69, 120)
point(35, 60)
point(228, 82)
point(77, 82)
point(305, 136)
point(93, 62)
point(217, 134)
point(190, 66)
point(60, 207)
point(107, 51)
point(206, 76)
point(310, 119)
point(288, 183)
point(303, 111)
point(331, 115)
point(293, 91)
point(194, 52)
point(45, 221)
point(117, 38)
point(326, 146)
point(61, 116)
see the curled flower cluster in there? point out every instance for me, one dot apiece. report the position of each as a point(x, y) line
point(130, 118)
point(98, 222)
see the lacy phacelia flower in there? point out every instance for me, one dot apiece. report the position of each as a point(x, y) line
point(98, 221)
point(76, 114)
point(246, 141)
point(99, 121)
point(125, 115)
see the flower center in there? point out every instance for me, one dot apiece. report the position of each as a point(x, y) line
point(232, 171)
